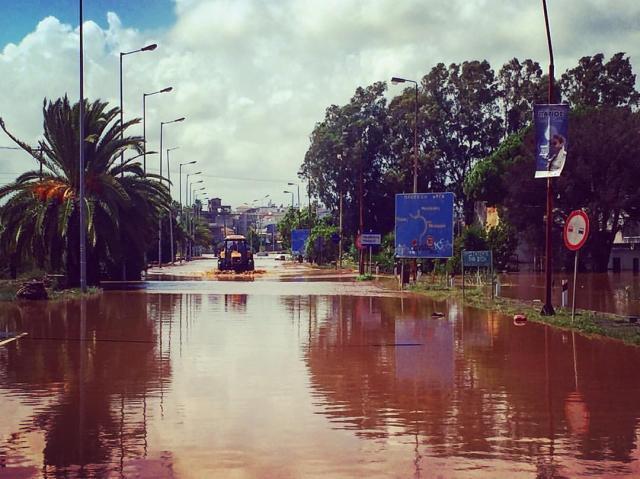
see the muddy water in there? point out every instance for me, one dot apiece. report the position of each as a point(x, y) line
point(280, 380)
point(617, 293)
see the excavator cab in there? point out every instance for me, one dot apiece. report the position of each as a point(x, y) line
point(236, 255)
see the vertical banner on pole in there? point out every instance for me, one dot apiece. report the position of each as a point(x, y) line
point(551, 125)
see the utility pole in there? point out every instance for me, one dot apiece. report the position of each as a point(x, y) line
point(547, 309)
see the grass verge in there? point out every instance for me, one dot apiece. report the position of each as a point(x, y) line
point(587, 322)
point(9, 288)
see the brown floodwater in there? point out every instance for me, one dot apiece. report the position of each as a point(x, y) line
point(296, 380)
point(617, 293)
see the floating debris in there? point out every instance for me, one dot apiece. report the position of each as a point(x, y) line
point(519, 319)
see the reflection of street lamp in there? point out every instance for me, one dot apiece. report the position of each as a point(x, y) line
point(148, 48)
point(144, 123)
point(298, 185)
point(395, 81)
point(290, 192)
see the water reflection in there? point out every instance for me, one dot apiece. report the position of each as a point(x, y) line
point(474, 386)
point(261, 385)
point(609, 292)
point(85, 376)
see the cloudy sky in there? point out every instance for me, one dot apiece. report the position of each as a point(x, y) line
point(254, 76)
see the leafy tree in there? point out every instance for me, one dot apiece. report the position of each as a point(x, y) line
point(594, 83)
point(294, 219)
point(347, 149)
point(600, 177)
point(464, 122)
point(319, 246)
point(502, 241)
point(520, 86)
point(41, 213)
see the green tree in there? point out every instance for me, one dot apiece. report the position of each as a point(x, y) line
point(464, 122)
point(595, 83)
point(319, 246)
point(41, 213)
point(600, 176)
point(294, 219)
point(348, 149)
point(520, 86)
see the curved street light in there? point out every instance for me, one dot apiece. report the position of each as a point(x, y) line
point(147, 48)
point(290, 192)
point(144, 121)
point(162, 123)
point(395, 81)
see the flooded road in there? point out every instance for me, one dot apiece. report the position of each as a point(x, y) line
point(298, 379)
point(617, 293)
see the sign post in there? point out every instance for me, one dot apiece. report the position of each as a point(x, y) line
point(370, 240)
point(479, 259)
point(576, 232)
point(424, 225)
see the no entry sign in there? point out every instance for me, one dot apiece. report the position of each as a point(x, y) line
point(576, 230)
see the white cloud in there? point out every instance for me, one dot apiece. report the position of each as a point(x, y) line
point(253, 76)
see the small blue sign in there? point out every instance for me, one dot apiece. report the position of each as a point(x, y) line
point(480, 259)
point(551, 125)
point(424, 225)
point(271, 228)
point(298, 241)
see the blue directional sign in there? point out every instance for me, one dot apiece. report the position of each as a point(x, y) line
point(480, 259)
point(424, 225)
point(298, 240)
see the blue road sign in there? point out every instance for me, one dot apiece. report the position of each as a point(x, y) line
point(424, 225)
point(551, 125)
point(298, 240)
point(480, 259)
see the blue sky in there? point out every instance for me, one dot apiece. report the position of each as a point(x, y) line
point(19, 17)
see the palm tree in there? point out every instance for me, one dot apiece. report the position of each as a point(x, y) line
point(41, 215)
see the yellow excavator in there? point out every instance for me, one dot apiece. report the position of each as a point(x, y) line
point(236, 255)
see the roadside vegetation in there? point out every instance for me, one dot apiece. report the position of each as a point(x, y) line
point(39, 216)
point(587, 322)
point(475, 140)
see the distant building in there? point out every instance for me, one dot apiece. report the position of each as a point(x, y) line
point(625, 252)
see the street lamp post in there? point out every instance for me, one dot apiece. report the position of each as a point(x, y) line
point(180, 178)
point(83, 251)
point(148, 48)
point(162, 123)
point(196, 212)
point(547, 308)
point(298, 185)
point(144, 123)
point(290, 192)
point(395, 81)
point(192, 208)
point(170, 212)
point(180, 201)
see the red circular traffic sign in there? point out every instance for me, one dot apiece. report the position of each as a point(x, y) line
point(576, 230)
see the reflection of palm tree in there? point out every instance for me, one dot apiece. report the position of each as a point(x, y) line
point(122, 367)
point(122, 202)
